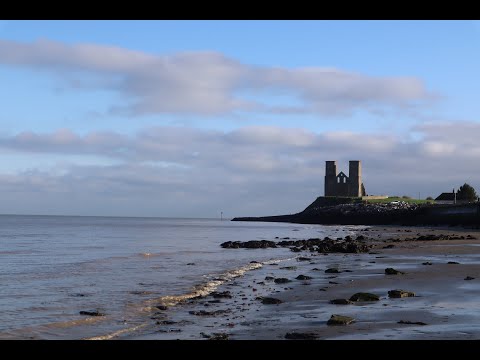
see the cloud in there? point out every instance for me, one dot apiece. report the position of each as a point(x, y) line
point(209, 83)
point(175, 171)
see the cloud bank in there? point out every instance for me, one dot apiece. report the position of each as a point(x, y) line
point(210, 83)
point(175, 171)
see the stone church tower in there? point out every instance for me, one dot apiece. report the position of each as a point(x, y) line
point(341, 184)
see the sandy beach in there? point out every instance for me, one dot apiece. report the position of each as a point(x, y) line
point(445, 305)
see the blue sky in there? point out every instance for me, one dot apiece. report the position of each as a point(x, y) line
point(189, 118)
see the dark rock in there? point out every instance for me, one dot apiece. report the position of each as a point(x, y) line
point(92, 313)
point(427, 263)
point(333, 282)
point(161, 307)
point(191, 264)
point(469, 278)
point(340, 320)
point(392, 271)
point(208, 313)
point(295, 249)
point(391, 246)
point(269, 278)
point(407, 322)
point(364, 297)
point(215, 301)
point(254, 262)
point(281, 281)
point(219, 336)
point(323, 289)
point(166, 322)
point(332, 271)
point(78, 295)
point(301, 336)
point(348, 270)
point(271, 301)
point(453, 263)
point(315, 269)
point(400, 294)
point(289, 268)
point(220, 295)
point(301, 258)
point(303, 277)
point(252, 244)
point(340, 302)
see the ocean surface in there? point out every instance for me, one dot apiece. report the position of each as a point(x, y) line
point(53, 267)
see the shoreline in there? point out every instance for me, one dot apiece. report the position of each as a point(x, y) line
point(444, 300)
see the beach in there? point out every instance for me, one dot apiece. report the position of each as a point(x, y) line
point(444, 276)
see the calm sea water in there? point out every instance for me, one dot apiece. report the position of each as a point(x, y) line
point(53, 267)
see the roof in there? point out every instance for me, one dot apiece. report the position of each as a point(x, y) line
point(446, 196)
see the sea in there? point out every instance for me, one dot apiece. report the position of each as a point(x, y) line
point(54, 267)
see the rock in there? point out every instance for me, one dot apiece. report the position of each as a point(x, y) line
point(411, 322)
point(271, 301)
point(269, 278)
point(161, 307)
point(340, 320)
point(208, 313)
point(301, 336)
point(191, 264)
point(166, 322)
point(364, 297)
point(219, 336)
point(220, 295)
point(400, 294)
point(252, 244)
point(254, 262)
point(92, 313)
point(301, 258)
point(391, 246)
point(469, 278)
point(361, 237)
point(392, 271)
point(427, 263)
point(340, 302)
point(315, 269)
point(323, 289)
point(281, 281)
point(289, 268)
point(333, 282)
point(453, 263)
point(295, 249)
point(332, 271)
point(303, 277)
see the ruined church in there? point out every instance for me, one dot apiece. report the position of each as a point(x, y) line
point(341, 184)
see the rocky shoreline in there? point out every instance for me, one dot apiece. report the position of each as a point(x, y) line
point(401, 213)
point(391, 284)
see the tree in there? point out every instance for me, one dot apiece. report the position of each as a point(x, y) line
point(466, 192)
point(429, 198)
point(364, 193)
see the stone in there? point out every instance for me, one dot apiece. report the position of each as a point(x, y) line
point(364, 297)
point(271, 301)
point(208, 313)
point(301, 336)
point(391, 246)
point(400, 294)
point(92, 313)
point(427, 263)
point(289, 268)
point(411, 322)
point(303, 277)
point(162, 307)
point(340, 302)
point(218, 336)
point(221, 295)
point(331, 271)
point(301, 258)
point(453, 263)
point(281, 281)
point(340, 320)
point(469, 278)
point(269, 278)
point(392, 271)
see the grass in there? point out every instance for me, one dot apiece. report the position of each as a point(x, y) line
point(395, 198)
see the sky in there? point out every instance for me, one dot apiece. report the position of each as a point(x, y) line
point(195, 118)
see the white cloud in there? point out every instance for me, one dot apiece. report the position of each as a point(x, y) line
point(208, 82)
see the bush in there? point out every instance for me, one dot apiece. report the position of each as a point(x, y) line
point(429, 198)
point(406, 197)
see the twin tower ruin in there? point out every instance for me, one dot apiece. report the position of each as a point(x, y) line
point(341, 184)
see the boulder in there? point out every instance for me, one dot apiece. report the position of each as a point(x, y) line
point(340, 302)
point(400, 294)
point(332, 271)
point(392, 271)
point(303, 277)
point(92, 313)
point(340, 320)
point(271, 301)
point(364, 297)
point(281, 281)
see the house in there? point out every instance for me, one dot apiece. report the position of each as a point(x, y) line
point(449, 198)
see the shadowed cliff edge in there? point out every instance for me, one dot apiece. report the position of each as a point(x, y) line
point(351, 211)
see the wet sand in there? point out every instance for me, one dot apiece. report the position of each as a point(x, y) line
point(444, 301)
